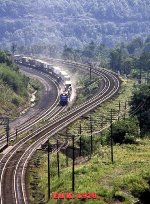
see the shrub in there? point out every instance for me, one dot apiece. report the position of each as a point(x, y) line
point(125, 131)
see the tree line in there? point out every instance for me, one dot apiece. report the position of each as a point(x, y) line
point(124, 58)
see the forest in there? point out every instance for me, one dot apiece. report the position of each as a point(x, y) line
point(74, 23)
point(125, 58)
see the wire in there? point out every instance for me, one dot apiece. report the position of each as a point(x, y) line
point(137, 109)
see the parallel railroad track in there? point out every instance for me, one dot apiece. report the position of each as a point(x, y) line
point(48, 113)
point(14, 164)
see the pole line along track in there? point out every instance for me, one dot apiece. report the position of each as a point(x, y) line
point(12, 172)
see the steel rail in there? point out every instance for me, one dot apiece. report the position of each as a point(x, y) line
point(23, 172)
point(21, 143)
point(46, 114)
point(110, 88)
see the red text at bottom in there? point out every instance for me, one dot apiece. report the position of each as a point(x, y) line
point(69, 195)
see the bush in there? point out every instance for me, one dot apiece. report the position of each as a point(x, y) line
point(85, 145)
point(15, 80)
point(125, 131)
point(129, 139)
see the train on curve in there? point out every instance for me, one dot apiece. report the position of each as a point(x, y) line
point(61, 76)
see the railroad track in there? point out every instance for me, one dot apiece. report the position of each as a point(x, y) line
point(14, 164)
point(48, 113)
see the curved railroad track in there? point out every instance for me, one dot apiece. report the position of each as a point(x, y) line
point(45, 111)
point(14, 164)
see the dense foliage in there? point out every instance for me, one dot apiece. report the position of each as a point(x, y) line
point(125, 131)
point(127, 62)
point(15, 88)
point(5, 58)
point(9, 75)
point(17, 82)
point(140, 106)
point(53, 23)
point(129, 59)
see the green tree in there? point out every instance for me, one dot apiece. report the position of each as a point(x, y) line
point(140, 106)
point(5, 57)
point(116, 57)
point(127, 65)
point(125, 131)
point(15, 80)
point(136, 44)
point(144, 62)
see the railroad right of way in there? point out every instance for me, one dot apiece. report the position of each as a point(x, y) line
point(14, 164)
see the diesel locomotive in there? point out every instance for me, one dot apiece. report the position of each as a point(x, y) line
point(56, 72)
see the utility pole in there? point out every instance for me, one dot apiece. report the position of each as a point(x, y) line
point(48, 165)
point(80, 131)
point(101, 125)
point(111, 138)
point(58, 160)
point(7, 132)
point(73, 160)
point(91, 132)
point(66, 149)
point(140, 108)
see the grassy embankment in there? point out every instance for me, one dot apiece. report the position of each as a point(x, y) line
point(126, 180)
point(16, 91)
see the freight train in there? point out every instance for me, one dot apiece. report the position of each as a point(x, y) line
point(61, 76)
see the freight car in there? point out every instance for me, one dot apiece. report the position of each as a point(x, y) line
point(60, 75)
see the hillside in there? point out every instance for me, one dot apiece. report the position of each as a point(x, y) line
point(54, 23)
point(15, 88)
